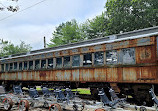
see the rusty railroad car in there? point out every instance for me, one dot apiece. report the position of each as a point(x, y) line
point(128, 62)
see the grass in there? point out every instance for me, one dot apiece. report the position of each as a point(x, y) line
point(80, 90)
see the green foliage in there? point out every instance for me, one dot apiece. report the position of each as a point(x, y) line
point(65, 33)
point(7, 48)
point(128, 15)
point(120, 16)
point(96, 27)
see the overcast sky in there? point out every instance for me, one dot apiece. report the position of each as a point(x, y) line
point(34, 23)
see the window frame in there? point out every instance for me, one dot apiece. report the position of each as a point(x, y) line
point(78, 61)
point(86, 64)
point(102, 58)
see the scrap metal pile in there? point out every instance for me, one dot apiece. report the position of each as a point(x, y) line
point(61, 99)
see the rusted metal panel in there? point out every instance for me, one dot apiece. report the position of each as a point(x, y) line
point(65, 52)
point(86, 49)
point(49, 55)
point(129, 74)
point(157, 46)
point(67, 75)
point(112, 74)
point(57, 54)
point(145, 54)
point(127, 56)
point(58, 75)
point(100, 74)
point(98, 48)
point(75, 51)
point(86, 74)
point(148, 73)
point(75, 75)
point(121, 74)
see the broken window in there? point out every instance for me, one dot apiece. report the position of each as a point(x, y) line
point(2, 67)
point(7, 67)
point(67, 61)
point(37, 64)
point(50, 63)
point(99, 58)
point(15, 65)
point(30, 65)
point(59, 62)
point(111, 57)
point(11, 67)
point(128, 56)
point(76, 60)
point(20, 66)
point(25, 65)
point(87, 59)
point(43, 64)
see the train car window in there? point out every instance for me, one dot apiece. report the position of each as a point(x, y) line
point(2, 67)
point(67, 61)
point(7, 67)
point(15, 66)
point(37, 64)
point(76, 60)
point(20, 66)
point(11, 67)
point(127, 56)
point(25, 65)
point(30, 65)
point(98, 58)
point(43, 64)
point(111, 57)
point(87, 59)
point(59, 62)
point(50, 63)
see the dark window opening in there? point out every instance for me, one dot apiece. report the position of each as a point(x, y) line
point(7, 67)
point(2, 67)
point(30, 65)
point(20, 66)
point(87, 59)
point(67, 61)
point(43, 64)
point(15, 65)
point(37, 64)
point(59, 62)
point(25, 65)
point(76, 60)
point(50, 63)
point(99, 58)
point(11, 67)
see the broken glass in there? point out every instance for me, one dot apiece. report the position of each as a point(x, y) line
point(76, 60)
point(59, 62)
point(87, 59)
point(99, 58)
point(111, 57)
point(50, 63)
point(67, 61)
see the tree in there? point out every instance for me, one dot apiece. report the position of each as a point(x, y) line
point(7, 48)
point(128, 15)
point(9, 8)
point(96, 27)
point(65, 33)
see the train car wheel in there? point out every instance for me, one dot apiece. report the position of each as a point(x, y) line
point(100, 109)
point(23, 105)
point(8, 103)
point(55, 107)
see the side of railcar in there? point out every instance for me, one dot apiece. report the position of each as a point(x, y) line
point(127, 65)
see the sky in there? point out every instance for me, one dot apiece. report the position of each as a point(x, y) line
point(32, 24)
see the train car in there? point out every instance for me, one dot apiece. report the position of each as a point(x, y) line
point(128, 62)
